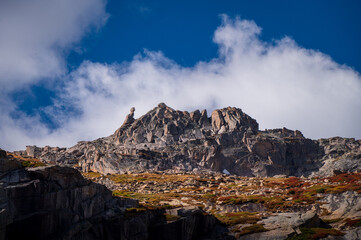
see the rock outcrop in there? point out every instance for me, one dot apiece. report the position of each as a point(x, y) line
point(228, 141)
point(283, 225)
point(345, 205)
point(342, 155)
point(56, 202)
point(53, 203)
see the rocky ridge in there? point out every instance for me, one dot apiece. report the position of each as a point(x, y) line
point(229, 141)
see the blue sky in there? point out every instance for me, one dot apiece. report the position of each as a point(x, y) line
point(183, 30)
point(71, 70)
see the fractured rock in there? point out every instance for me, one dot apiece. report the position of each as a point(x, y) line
point(165, 139)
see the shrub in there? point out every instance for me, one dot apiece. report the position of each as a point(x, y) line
point(292, 192)
point(292, 182)
point(321, 190)
point(346, 178)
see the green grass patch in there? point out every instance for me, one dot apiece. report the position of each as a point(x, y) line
point(230, 219)
point(152, 177)
point(255, 228)
point(132, 212)
point(151, 200)
point(31, 164)
point(171, 218)
point(91, 174)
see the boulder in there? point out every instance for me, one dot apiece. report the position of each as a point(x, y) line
point(283, 225)
point(343, 205)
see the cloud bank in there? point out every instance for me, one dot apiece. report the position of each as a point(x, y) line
point(278, 83)
point(36, 35)
point(35, 38)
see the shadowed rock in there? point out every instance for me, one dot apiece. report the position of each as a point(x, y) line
point(58, 203)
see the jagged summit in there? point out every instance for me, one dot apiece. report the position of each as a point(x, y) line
point(165, 139)
point(163, 125)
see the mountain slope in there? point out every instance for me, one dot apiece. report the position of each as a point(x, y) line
point(229, 140)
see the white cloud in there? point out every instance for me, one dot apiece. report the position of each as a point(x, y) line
point(279, 84)
point(35, 36)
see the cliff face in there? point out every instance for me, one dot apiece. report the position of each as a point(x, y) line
point(52, 203)
point(165, 139)
point(58, 203)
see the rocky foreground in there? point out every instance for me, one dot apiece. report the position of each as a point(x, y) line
point(176, 175)
point(254, 208)
point(53, 202)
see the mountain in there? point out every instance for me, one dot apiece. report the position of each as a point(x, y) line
point(177, 175)
point(228, 141)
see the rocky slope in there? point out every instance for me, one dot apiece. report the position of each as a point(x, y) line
point(229, 141)
point(254, 208)
point(54, 202)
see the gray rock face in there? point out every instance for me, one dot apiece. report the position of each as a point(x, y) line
point(58, 203)
point(193, 223)
point(354, 234)
point(6, 164)
point(344, 205)
point(2, 154)
point(342, 155)
point(53, 203)
point(165, 139)
point(52, 155)
point(284, 225)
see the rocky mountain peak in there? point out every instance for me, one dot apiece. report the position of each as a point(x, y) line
point(232, 119)
point(165, 139)
point(163, 125)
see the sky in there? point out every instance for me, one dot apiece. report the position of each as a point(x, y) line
point(71, 70)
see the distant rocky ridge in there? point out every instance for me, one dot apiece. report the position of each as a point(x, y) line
point(229, 141)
